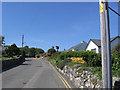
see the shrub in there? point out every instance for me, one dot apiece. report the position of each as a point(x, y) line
point(51, 51)
point(98, 71)
point(55, 55)
point(61, 64)
point(91, 58)
point(72, 63)
point(115, 61)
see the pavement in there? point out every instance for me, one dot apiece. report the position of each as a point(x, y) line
point(34, 73)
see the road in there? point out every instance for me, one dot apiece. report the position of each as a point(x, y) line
point(34, 73)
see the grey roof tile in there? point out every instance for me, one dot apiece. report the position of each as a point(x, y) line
point(80, 46)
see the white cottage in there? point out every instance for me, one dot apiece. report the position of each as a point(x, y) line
point(95, 44)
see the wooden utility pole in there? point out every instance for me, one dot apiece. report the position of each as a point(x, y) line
point(119, 19)
point(22, 43)
point(105, 44)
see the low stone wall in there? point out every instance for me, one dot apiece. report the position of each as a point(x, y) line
point(12, 62)
point(85, 79)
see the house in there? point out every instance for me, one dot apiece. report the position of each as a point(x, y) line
point(95, 44)
point(115, 41)
point(79, 47)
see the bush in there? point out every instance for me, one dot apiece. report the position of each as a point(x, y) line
point(97, 71)
point(12, 50)
point(116, 73)
point(55, 55)
point(92, 58)
point(51, 51)
point(61, 64)
point(72, 63)
point(115, 61)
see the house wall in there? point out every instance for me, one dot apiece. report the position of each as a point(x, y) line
point(73, 50)
point(93, 46)
point(115, 42)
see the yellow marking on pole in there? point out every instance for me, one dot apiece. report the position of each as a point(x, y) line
point(60, 76)
point(101, 7)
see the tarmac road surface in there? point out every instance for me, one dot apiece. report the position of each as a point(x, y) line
point(34, 73)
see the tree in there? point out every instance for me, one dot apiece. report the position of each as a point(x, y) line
point(32, 52)
point(2, 40)
point(12, 50)
point(52, 46)
point(51, 51)
point(57, 47)
point(26, 50)
point(116, 49)
point(39, 51)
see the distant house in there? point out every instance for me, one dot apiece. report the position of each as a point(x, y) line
point(95, 44)
point(79, 47)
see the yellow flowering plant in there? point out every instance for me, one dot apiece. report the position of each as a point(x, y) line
point(77, 59)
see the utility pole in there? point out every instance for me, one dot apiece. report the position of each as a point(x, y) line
point(105, 45)
point(22, 43)
point(119, 19)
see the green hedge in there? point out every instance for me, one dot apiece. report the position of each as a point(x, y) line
point(115, 61)
point(92, 59)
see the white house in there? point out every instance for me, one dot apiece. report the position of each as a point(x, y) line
point(78, 47)
point(95, 44)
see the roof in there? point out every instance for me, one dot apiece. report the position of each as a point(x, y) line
point(114, 38)
point(98, 42)
point(80, 46)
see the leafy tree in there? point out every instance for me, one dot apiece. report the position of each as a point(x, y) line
point(2, 40)
point(12, 50)
point(39, 51)
point(57, 47)
point(51, 51)
point(32, 52)
point(52, 46)
point(116, 49)
point(26, 50)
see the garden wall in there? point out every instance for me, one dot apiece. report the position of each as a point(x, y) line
point(12, 62)
point(85, 79)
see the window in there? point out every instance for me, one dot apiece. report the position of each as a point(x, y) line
point(94, 50)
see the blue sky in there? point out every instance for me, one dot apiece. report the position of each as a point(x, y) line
point(49, 24)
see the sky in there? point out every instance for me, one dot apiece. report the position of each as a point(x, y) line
point(47, 24)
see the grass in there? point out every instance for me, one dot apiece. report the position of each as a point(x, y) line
point(53, 62)
point(80, 70)
point(116, 73)
point(72, 64)
point(4, 58)
point(97, 71)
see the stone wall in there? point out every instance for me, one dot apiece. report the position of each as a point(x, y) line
point(12, 62)
point(84, 79)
